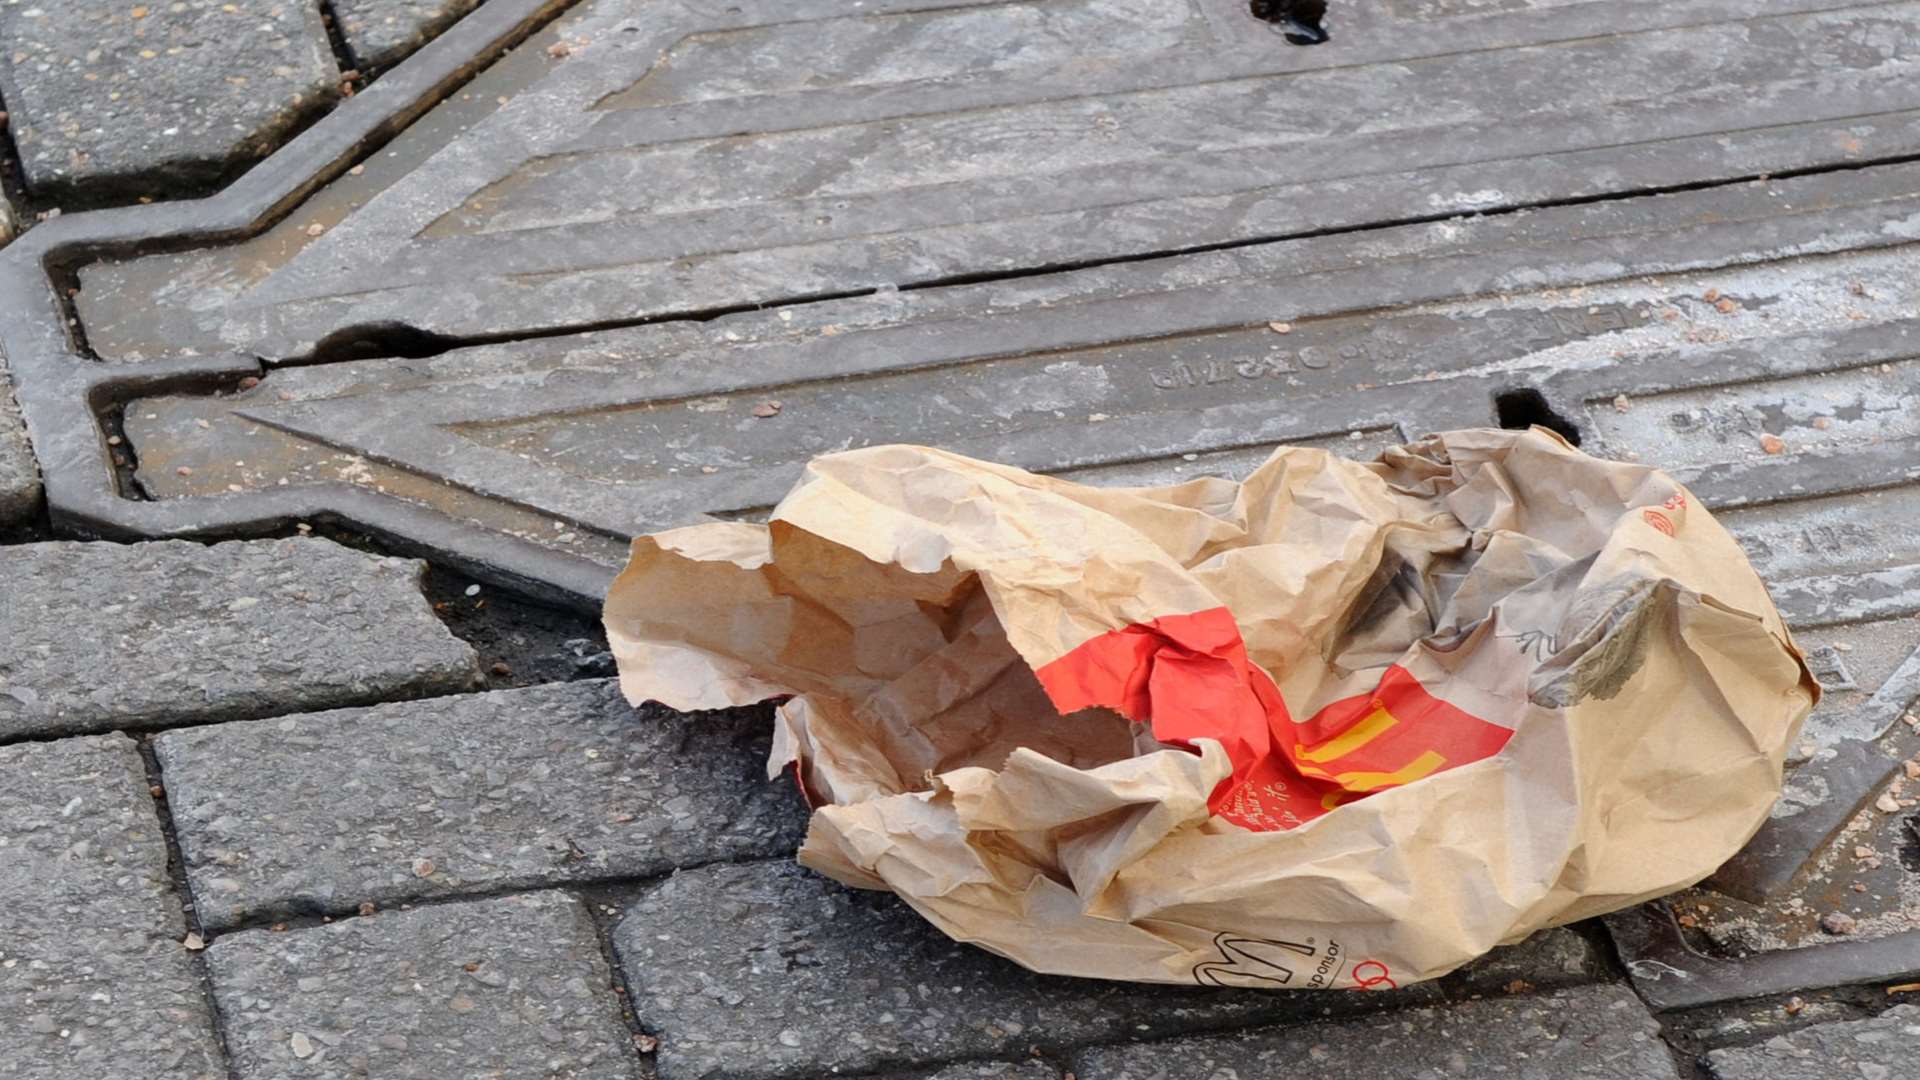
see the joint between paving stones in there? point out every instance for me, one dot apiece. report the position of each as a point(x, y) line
point(617, 888)
point(183, 895)
point(20, 203)
point(599, 902)
point(337, 42)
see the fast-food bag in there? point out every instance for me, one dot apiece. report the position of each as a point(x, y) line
point(1338, 725)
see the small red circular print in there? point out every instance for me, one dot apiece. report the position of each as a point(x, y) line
point(1379, 978)
point(1658, 520)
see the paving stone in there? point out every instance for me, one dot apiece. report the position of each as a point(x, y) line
point(96, 636)
point(1886, 1047)
point(108, 99)
point(1601, 1032)
point(19, 476)
point(495, 791)
point(515, 987)
point(93, 979)
point(1549, 959)
point(768, 970)
point(380, 33)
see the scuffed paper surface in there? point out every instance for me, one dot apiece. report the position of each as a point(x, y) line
point(1339, 725)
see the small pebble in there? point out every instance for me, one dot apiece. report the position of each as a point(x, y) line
point(1886, 803)
point(1621, 404)
point(423, 868)
point(559, 50)
point(1727, 305)
point(316, 229)
point(183, 471)
point(1710, 295)
point(1771, 443)
point(1822, 423)
point(301, 1046)
point(767, 409)
point(1838, 923)
point(193, 943)
point(473, 590)
point(1280, 327)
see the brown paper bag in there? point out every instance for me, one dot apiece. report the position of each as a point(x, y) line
point(1339, 725)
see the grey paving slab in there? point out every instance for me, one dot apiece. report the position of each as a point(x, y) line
point(479, 792)
point(1882, 1048)
point(380, 33)
point(96, 636)
point(652, 160)
point(1549, 959)
point(514, 987)
point(767, 970)
point(19, 476)
point(1598, 1032)
point(94, 981)
point(108, 100)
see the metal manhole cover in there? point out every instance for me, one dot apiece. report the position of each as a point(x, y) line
point(641, 160)
point(1147, 371)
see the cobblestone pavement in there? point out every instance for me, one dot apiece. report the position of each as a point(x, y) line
point(310, 761)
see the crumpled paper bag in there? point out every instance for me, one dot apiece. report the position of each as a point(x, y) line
point(1339, 725)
